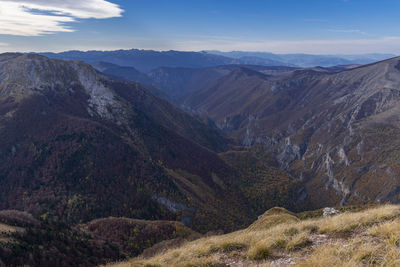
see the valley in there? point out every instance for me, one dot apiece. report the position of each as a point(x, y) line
point(199, 133)
point(126, 162)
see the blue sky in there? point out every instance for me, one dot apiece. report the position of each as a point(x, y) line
point(279, 26)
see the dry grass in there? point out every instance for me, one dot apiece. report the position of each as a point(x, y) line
point(260, 251)
point(350, 221)
point(298, 241)
point(366, 238)
point(359, 252)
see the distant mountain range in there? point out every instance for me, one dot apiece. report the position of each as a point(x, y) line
point(147, 60)
point(306, 60)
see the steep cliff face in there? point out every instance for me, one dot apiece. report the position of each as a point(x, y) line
point(336, 131)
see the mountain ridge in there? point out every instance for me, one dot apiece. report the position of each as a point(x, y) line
point(314, 123)
point(146, 60)
point(309, 60)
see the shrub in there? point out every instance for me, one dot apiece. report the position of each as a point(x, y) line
point(259, 252)
point(299, 241)
point(280, 243)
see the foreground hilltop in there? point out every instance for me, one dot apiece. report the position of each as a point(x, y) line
point(368, 237)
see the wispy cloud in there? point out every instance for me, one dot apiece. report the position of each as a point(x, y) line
point(39, 17)
point(348, 31)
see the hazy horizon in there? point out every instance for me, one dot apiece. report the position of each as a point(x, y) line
point(198, 51)
point(281, 27)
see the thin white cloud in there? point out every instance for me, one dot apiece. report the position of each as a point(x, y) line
point(39, 17)
point(347, 31)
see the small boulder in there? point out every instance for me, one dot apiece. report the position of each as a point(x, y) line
point(330, 212)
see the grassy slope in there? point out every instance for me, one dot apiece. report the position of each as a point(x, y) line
point(369, 237)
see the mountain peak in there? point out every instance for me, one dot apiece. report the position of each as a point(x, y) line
point(24, 75)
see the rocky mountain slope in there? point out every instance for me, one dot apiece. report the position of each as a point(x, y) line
point(336, 131)
point(81, 147)
point(77, 146)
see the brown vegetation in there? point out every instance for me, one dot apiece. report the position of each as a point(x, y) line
point(361, 238)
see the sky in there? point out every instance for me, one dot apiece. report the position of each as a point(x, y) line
point(278, 26)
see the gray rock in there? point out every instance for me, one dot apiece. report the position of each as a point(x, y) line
point(330, 212)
